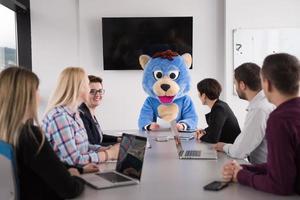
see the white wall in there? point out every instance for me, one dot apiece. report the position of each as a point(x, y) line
point(125, 95)
point(254, 14)
point(68, 33)
point(54, 36)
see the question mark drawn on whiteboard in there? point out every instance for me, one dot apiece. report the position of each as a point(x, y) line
point(238, 48)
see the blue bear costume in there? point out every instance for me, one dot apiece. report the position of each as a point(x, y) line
point(167, 81)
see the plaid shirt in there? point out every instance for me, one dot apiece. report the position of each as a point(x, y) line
point(65, 131)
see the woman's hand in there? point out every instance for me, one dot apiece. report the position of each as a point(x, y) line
point(90, 168)
point(113, 152)
point(74, 172)
point(199, 134)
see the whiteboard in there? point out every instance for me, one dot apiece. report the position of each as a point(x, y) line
point(253, 45)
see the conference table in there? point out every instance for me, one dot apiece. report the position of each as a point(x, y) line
point(165, 176)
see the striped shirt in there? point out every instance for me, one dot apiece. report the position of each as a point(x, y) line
point(65, 131)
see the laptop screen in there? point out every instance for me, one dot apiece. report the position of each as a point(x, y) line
point(131, 155)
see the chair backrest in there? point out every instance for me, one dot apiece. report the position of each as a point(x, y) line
point(8, 180)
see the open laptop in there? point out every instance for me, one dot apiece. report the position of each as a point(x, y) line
point(205, 154)
point(129, 165)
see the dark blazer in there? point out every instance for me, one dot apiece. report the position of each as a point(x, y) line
point(41, 174)
point(222, 124)
point(95, 134)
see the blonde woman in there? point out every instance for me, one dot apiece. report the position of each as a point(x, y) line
point(40, 172)
point(63, 126)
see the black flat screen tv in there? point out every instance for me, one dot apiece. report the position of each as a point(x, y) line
point(126, 38)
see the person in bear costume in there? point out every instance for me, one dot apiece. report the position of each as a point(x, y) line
point(166, 80)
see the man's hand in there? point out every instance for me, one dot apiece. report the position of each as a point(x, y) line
point(219, 146)
point(230, 171)
point(237, 168)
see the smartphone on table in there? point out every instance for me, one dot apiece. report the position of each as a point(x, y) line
point(216, 186)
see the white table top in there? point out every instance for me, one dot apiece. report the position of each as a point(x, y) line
point(166, 177)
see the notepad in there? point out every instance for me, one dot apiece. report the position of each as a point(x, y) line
point(164, 125)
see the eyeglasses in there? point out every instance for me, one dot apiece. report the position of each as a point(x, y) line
point(94, 91)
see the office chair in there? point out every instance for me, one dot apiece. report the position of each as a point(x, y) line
point(8, 173)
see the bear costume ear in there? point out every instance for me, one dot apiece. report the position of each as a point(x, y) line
point(143, 60)
point(187, 59)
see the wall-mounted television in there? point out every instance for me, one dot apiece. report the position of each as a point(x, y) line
point(126, 38)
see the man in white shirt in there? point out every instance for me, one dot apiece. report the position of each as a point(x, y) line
point(251, 142)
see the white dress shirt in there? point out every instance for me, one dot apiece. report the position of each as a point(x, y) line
point(251, 141)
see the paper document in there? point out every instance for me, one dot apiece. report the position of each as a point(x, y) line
point(163, 124)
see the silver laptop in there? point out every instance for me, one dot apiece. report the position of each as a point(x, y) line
point(204, 154)
point(128, 168)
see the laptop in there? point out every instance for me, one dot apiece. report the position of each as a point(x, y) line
point(128, 168)
point(205, 154)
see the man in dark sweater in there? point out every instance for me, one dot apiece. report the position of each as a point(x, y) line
point(281, 173)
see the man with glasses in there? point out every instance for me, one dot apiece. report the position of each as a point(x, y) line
point(87, 112)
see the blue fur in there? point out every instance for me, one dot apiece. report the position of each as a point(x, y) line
point(186, 113)
point(166, 66)
point(149, 113)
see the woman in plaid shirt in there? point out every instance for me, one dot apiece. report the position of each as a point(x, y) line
point(63, 126)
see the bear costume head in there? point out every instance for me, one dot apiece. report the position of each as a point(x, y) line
point(166, 76)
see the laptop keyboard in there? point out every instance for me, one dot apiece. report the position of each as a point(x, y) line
point(113, 177)
point(192, 153)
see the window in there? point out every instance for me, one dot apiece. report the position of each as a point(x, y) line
point(8, 52)
point(15, 33)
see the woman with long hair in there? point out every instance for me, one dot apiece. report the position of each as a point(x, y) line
point(40, 172)
point(63, 126)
